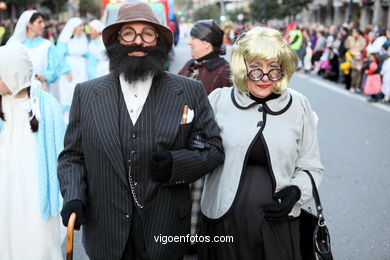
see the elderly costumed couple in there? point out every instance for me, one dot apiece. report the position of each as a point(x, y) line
point(139, 136)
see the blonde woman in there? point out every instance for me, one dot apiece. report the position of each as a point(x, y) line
point(269, 136)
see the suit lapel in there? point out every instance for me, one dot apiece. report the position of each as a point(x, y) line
point(105, 113)
point(168, 111)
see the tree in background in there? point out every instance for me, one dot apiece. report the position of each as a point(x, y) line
point(55, 6)
point(93, 7)
point(23, 4)
point(234, 13)
point(207, 12)
point(265, 10)
point(290, 8)
point(185, 8)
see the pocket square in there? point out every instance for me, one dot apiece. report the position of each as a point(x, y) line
point(188, 115)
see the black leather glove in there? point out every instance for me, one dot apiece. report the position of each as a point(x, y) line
point(74, 206)
point(279, 210)
point(161, 166)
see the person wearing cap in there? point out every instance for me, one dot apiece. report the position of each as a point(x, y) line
point(97, 60)
point(72, 47)
point(31, 137)
point(207, 65)
point(43, 53)
point(136, 138)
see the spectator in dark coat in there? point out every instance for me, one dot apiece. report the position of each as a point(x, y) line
point(214, 72)
point(206, 47)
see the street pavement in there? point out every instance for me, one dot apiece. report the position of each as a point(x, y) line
point(354, 138)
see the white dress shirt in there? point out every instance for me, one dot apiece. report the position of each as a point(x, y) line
point(135, 95)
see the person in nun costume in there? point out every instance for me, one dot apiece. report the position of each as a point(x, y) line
point(97, 60)
point(42, 52)
point(31, 137)
point(72, 48)
point(269, 135)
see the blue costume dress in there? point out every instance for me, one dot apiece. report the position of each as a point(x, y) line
point(43, 55)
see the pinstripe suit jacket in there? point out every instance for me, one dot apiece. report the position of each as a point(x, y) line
point(92, 167)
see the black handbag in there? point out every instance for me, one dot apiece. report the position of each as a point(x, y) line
point(314, 235)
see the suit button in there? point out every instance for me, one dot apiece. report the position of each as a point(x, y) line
point(133, 136)
point(260, 109)
point(135, 183)
point(132, 152)
point(127, 216)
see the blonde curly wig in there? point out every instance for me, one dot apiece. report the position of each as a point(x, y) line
point(261, 43)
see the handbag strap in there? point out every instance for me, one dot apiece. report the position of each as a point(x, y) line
point(317, 200)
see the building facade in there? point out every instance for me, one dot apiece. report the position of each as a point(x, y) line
point(362, 12)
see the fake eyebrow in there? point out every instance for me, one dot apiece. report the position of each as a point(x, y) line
point(127, 27)
point(257, 65)
point(130, 27)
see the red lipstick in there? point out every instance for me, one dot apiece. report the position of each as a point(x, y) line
point(263, 86)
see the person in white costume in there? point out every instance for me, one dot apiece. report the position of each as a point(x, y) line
point(43, 54)
point(31, 137)
point(385, 72)
point(72, 49)
point(97, 59)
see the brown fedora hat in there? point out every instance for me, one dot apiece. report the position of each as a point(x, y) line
point(136, 12)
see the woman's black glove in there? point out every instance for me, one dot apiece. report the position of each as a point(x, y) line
point(74, 206)
point(161, 166)
point(279, 210)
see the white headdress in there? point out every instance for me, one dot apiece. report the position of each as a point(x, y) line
point(97, 25)
point(20, 31)
point(15, 67)
point(16, 71)
point(68, 30)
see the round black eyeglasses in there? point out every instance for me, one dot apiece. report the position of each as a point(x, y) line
point(147, 35)
point(257, 74)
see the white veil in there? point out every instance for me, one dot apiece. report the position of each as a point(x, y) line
point(15, 67)
point(97, 25)
point(20, 31)
point(68, 30)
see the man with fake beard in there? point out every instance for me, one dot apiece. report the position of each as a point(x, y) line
point(136, 138)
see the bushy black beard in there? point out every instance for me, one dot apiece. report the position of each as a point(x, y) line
point(133, 67)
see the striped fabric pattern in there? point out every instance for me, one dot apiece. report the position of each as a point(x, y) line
point(94, 165)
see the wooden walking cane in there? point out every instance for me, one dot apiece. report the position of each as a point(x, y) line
point(69, 236)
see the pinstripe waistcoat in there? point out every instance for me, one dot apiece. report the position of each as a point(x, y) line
point(94, 169)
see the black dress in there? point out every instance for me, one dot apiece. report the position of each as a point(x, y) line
point(253, 236)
